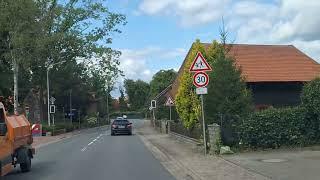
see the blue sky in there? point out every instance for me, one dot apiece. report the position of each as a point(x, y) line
point(160, 32)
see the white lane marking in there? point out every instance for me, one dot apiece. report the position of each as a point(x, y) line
point(93, 141)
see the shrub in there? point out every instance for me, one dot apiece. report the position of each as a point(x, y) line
point(58, 127)
point(186, 100)
point(273, 128)
point(47, 128)
point(69, 127)
point(91, 121)
point(311, 97)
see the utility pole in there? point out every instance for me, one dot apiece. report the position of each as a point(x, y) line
point(64, 116)
point(79, 118)
point(48, 95)
point(70, 100)
point(48, 86)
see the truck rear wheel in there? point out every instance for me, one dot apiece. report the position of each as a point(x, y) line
point(25, 160)
point(26, 166)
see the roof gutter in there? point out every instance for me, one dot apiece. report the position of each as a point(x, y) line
point(162, 92)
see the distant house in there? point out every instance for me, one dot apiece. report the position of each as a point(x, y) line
point(274, 73)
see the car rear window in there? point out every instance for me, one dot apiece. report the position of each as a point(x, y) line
point(121, 122)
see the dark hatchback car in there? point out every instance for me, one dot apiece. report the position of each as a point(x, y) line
point(121, 126)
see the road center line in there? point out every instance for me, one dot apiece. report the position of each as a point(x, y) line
point(93, 141)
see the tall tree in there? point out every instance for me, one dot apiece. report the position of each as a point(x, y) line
point(187, 102)
point(18, 24)
point(74, 33)
point(122, 101)
point(138, 93)
point(228, 100)
point(160, 81)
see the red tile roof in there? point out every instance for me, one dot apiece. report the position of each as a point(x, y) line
point(268, 63)
point(274, 63)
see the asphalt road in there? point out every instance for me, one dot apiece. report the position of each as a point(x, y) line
point(95, 155)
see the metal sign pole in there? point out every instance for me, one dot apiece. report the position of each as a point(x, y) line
point(204, 127)
point(154, 118)
point(79, 118)
point(170, 113)
point(201, 80)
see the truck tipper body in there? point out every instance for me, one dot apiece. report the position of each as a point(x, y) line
point(15, 142)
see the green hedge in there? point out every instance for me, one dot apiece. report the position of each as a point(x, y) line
point(274, 128)
point(68, 127)
point(310, 97)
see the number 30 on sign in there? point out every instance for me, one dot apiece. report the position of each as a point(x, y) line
point(200, 79)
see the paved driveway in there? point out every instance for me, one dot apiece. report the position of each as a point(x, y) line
point(282, 165)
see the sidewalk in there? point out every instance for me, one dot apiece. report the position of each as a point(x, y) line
point(184, 162)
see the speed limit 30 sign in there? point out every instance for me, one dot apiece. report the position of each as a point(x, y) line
point(200, 79)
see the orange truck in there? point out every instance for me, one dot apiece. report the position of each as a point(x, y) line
point(15, 142)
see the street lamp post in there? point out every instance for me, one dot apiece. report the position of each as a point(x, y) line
point(49, 66)
point(48, 94)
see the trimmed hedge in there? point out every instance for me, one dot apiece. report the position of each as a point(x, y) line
point(310, 97)
point(274, 128)
point(68, 127)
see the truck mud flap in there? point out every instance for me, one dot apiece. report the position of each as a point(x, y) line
point(5, 165)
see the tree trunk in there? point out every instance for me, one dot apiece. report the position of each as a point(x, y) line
point(15, 85)
point(108, 116)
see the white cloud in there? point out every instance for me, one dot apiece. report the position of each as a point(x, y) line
point(311, 48)
point(135, 63)
point(190, 12)
point(252, 21)
point(283, 22)
point(154, 7)
point(135, 69)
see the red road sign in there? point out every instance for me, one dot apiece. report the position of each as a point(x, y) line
point(201, 79)
point(200, 64)
point(36, 130)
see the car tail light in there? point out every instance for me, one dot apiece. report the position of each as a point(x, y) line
point(129, 125)
point(114, 126)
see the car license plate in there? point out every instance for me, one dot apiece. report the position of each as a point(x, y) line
point(121, 126)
